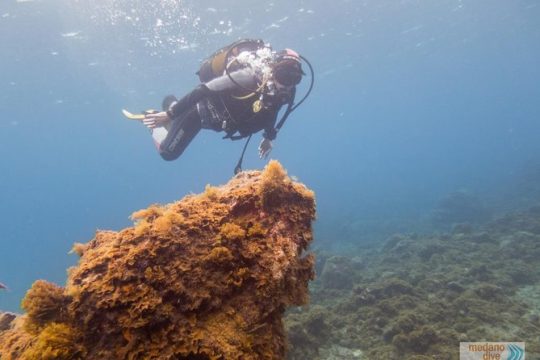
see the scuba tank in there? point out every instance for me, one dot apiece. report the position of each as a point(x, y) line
point(216, 64)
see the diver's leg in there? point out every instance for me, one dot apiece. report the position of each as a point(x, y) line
point(189, 100)
point(180, 133)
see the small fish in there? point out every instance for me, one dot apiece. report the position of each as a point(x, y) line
point(2, 286)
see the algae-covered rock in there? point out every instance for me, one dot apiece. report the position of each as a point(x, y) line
point(6, 319)
point(208, 277)
point(306, 330)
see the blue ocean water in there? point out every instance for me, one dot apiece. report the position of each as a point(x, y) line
point(413, 100)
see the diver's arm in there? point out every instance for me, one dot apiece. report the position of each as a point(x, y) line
point(240, 79)
point(244, 77)
point(154, 120)
point(269, 134)
point(269, 122)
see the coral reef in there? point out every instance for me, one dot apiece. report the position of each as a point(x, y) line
point(208, 277)
point(417, 297)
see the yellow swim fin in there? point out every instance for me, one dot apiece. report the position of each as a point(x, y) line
point(131, 116)
point(139, 117)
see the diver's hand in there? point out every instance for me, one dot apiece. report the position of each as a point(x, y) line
point(264, 148)
point(155, 119)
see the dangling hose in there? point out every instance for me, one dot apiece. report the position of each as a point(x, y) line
point(238, 167)
point(312, 74)
point(291, 107)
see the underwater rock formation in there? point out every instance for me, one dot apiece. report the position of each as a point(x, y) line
point(6, 319)
point(208, 277)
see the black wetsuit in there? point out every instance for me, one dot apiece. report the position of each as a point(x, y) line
point(214, 106)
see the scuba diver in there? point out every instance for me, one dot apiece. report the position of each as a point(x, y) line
point(243, 87)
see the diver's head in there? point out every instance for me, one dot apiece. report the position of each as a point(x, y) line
point(287, 69)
